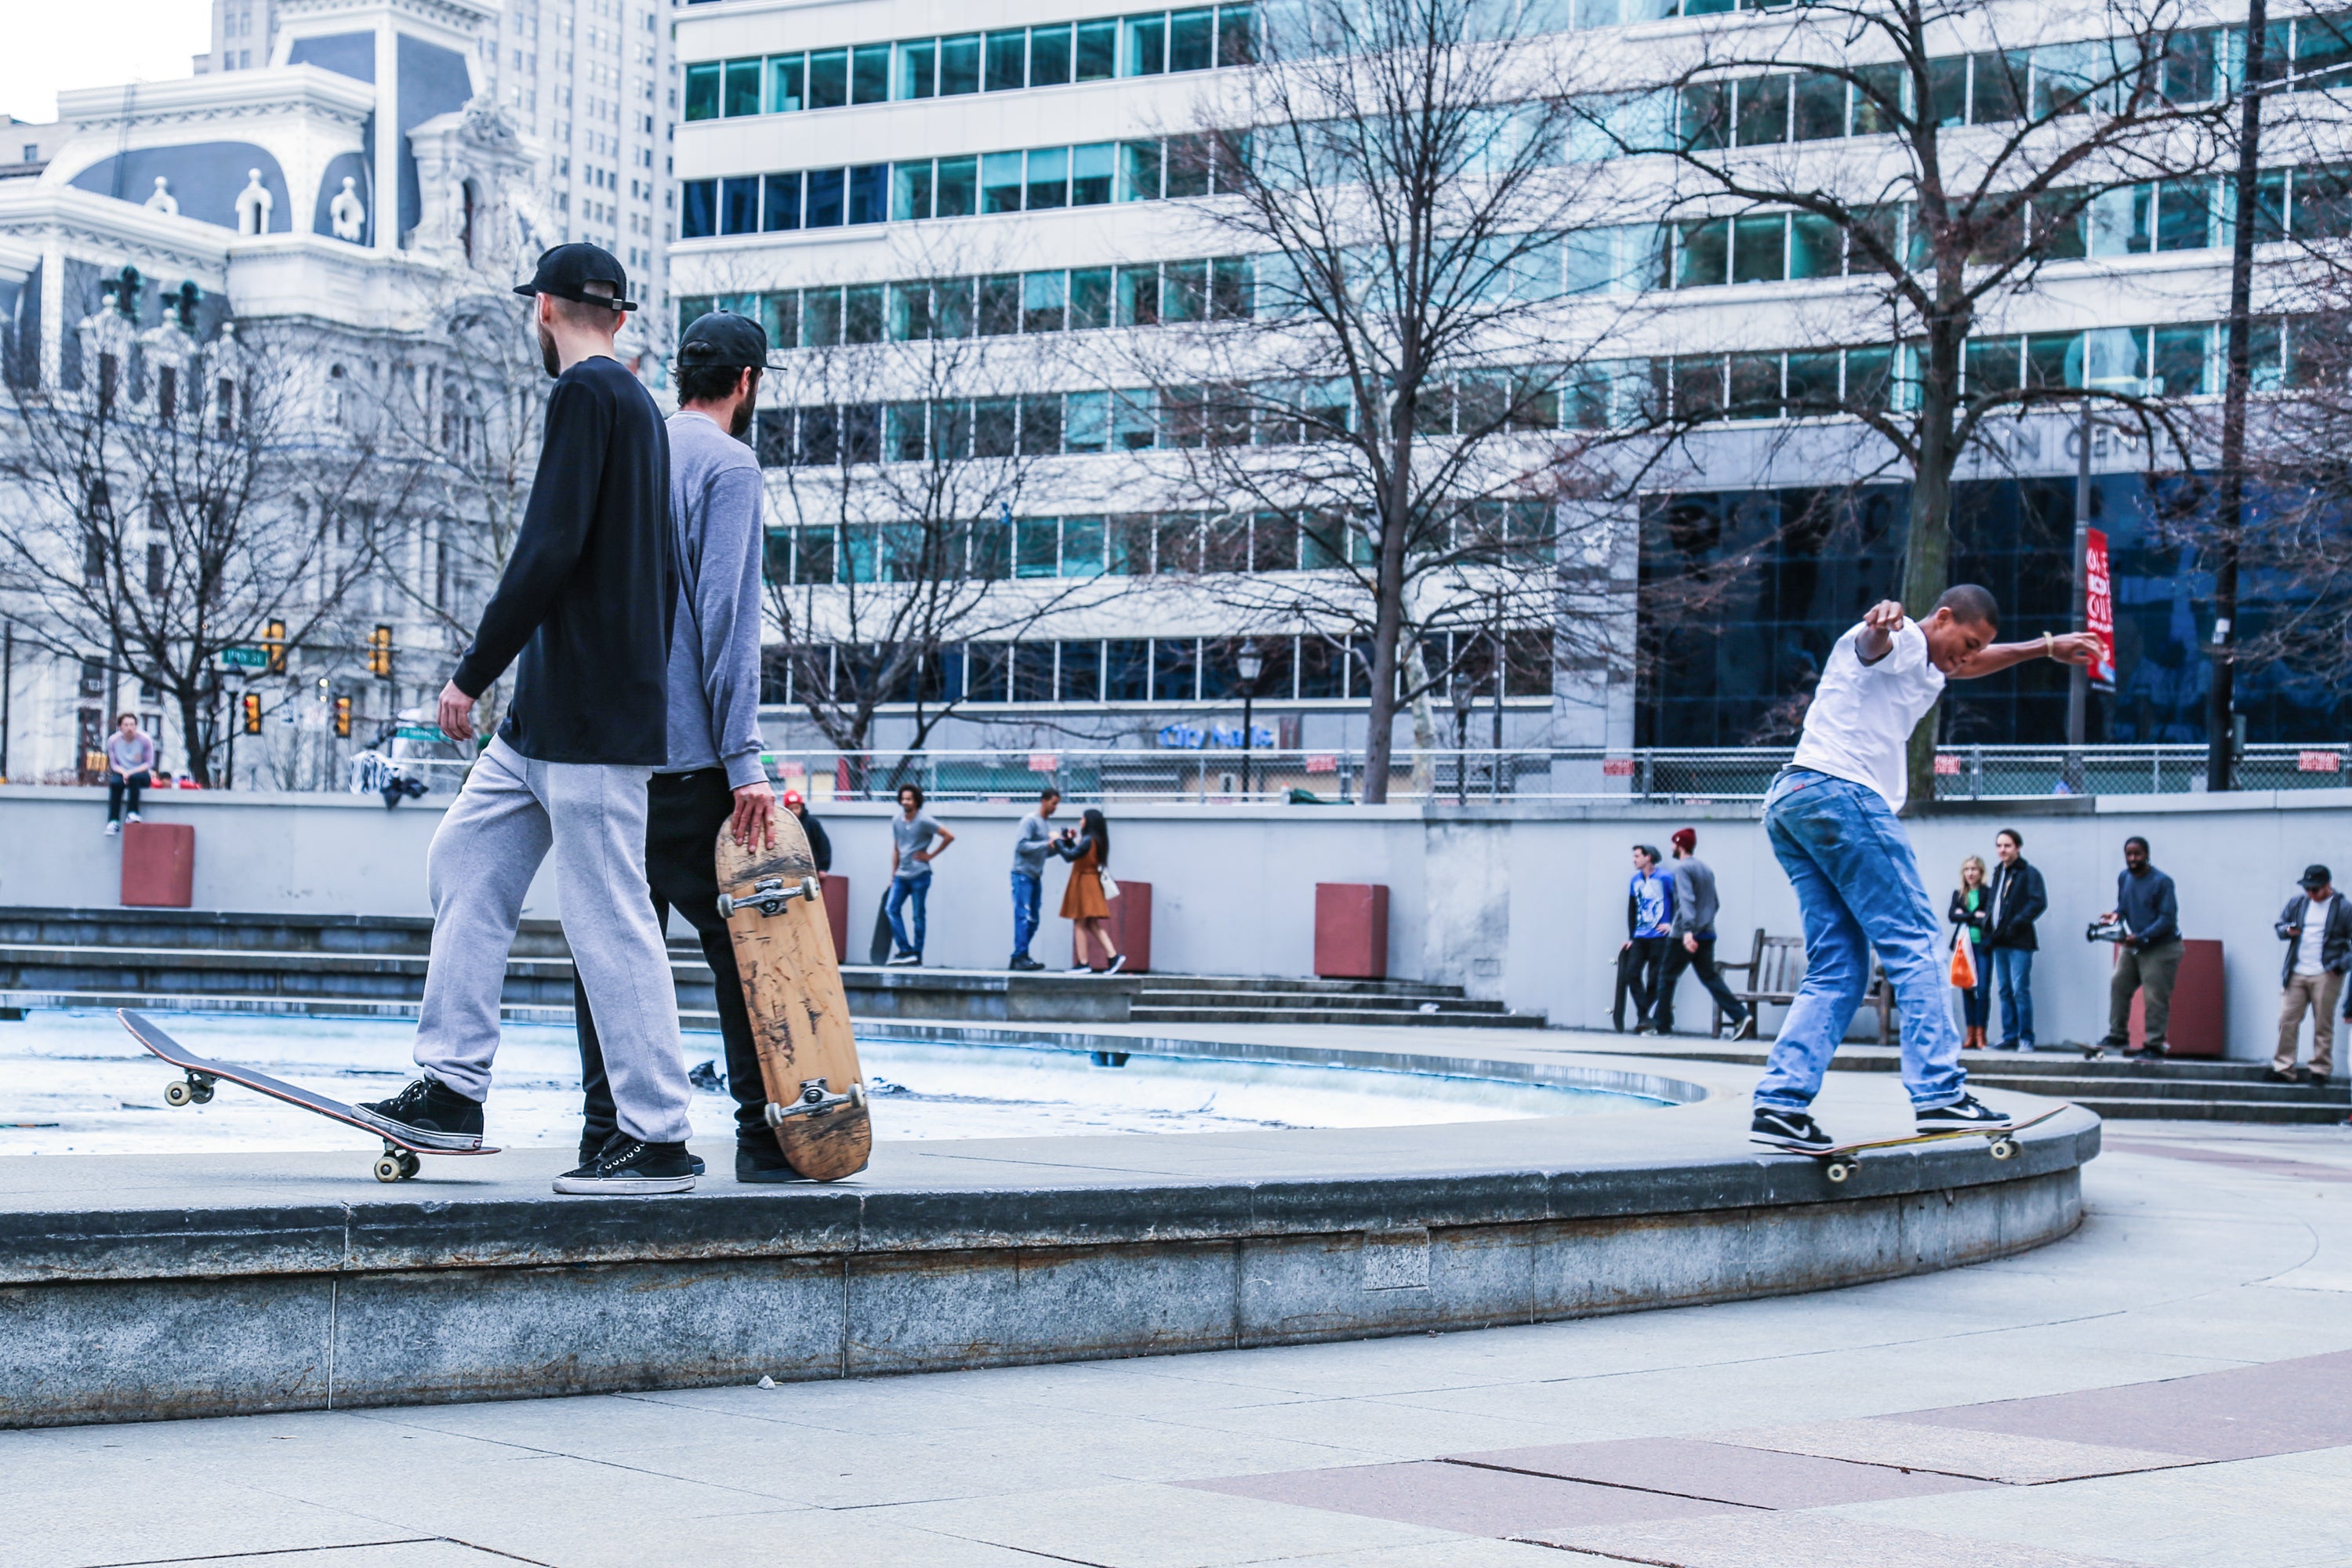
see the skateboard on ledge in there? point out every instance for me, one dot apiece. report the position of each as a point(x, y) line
point(1838, 1163)
point(399, 1160)
point(775, 909)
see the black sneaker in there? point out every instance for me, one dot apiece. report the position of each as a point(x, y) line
point(903, 959)
point(1790, 1129)
point(629, 1168)
point(1745, 1029)
point(429, 1114)
point(756, 1164)
point(1965, 1114)
point(1023, 962)
point(2287, 1075)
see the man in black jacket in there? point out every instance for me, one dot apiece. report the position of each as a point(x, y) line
point(2018, 900)
point(2317, 930)
point(582, 613)
point(2149, 958)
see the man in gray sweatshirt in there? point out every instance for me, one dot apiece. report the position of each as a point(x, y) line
point(713, 775)
point(1029, 852)
point(1691, 943)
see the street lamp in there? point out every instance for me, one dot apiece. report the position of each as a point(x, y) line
point(1251, 663)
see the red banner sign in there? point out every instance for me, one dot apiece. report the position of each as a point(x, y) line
point(2100, 607)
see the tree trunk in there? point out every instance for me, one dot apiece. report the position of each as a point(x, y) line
point(1387, 611)
point(1927, 552)
point(191, 704)
point(1425, 722)
point(2221, 698)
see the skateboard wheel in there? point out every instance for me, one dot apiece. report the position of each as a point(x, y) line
point(726, 907)
point(178, 1092)
point(1837, 1170)
point(388, 1168)
point(857, 1095)
point(2004, 1148)
point(409, 1165)
point(812, 889)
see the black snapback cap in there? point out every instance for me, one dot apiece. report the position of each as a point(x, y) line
point(724, 340)
point(568, 270)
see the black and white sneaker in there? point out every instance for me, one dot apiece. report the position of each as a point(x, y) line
point(629, 1168)
point(756, 1164)
point(1790, 1129)
point(1116, 963)
point(902, 960)
point(429, 1114)
point(1745, 1029)
point(1965, 1114)
point(1023, 962)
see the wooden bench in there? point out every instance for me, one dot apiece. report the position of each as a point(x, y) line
point(1776, 967)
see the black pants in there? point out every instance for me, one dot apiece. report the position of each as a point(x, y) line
point(1637, 977)
point(1679, 958)
point(684, 813)
point(121, 788)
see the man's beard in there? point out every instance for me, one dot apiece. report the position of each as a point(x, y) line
point(742, 420)
point(546, 354)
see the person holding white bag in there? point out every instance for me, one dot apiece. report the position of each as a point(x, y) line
point(1087, 898)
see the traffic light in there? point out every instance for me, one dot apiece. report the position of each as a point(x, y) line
point(343, 718)
point(250, 704)
point(379, 654)
point(273, 643)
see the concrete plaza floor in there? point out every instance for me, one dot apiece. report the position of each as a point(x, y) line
point(2182, 1364)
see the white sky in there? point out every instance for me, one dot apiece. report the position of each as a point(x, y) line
point(94, 43)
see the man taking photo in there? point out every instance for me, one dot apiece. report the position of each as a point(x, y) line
point(2148, 958)
point(2317, 930)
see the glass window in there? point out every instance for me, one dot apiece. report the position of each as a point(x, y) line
point(2119, 221)
point(1000, 305)
point(1036, 549)
point(1274, 547)
point(910, 311)
point(1134, 421)
point(1174, 670)
point(828, 79)
point(1127, 553)
point(1191, 40)
point(738, 205)
point(1997, 87)
point(911, 191)
point(995, 422)
point(1090, 173)
point(1869, 378)
point(987, 664)
point(902, 433)
point(2182, 357)
point(1049, 55)
point(1763, 111)
point(1086, 421)
point(952, 307)
point(1759, 248)
point(820, 205)
point(1188, 159)
point(780, 313)
point(1948, 90)
point(951, 434)
point(2323, 49)
point(698, 211)
point(2052, 359)
point(1139, 296)
point(869, 193)
point(1049, 178)
point(1697, 385)
point(1000, 183)
point(702, 91)
point(861, 314)
point(1236, 34)
point(1322, 664)
point(1127, 669)
point(780, 208)
point(1138, 171)
point(1815, 246)
point(956, 188)
point(1820, 107)
point(918, 63)
point(1098, 49)
point(787, 81)
point(1229, 289)
point(742, 88)
point(1082, 553)
point(1081, 677)
point(1812, 385)
point(1146, 41)
point(1993, 365)
point(820, 318)
point(2184, 214)
point(1007, 57)
point(1090, 298)
point(1702, 253)
point(1041, 424)
point(869, 73)
point(1032, 672)
point(959, 65)
point(1878, 98)
point(1184, 291)
point(1045, 299)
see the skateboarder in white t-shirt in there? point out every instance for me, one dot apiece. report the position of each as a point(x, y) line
point(1831, 819)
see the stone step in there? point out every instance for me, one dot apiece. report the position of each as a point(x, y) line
point(2116, 1108)
point(1387, 1018)
point(1186, 996)
point(2086, 1087)
point(1287, 986)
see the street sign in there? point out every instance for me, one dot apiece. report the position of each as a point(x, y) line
point(243, 658)
point(429, 733)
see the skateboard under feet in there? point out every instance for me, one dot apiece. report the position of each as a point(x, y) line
point(775, 909)
point(2001, 1142)
point(399, 1161)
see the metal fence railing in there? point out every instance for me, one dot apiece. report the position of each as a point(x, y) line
point(1683, 775)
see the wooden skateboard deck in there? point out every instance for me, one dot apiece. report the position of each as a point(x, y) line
point(775, 909)
point(400, 1157)
point(1838, 1163)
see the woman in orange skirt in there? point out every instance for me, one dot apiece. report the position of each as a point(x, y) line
point(1089, 852)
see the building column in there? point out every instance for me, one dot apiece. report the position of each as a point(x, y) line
point(385, 207)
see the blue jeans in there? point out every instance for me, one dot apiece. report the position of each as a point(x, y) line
point(1027, 890)
point(2012, 970)
point(1858, 885)
point(916, 889)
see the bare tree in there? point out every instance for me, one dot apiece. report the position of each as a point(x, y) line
point(1937, 154)
point(1398, 191)
point(907, 431)
point(179, 502)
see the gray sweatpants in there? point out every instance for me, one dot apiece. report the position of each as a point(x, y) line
point(510, 813)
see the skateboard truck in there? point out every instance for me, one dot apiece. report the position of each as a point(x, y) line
point(397, 1164)
point(813, 1101)
point(770, 895)
point(196, 1088)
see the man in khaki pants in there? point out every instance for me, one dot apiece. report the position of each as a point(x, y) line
point(2317, 929)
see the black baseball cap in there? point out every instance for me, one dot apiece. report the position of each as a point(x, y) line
point(2315, 877)
point(568, 270)
point(724, 340)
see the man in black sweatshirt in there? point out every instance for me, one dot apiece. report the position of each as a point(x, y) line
point(582, 613)
point(2148, 957)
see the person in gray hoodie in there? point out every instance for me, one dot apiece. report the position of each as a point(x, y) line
point(714, 777)
point(1029, 852)
point(1691, 943)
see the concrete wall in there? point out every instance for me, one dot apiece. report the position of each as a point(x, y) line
point(1524, 904)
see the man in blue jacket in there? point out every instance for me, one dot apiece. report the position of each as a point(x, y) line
point(2148, 957)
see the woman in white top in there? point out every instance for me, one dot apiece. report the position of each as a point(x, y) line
point(130, 765)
